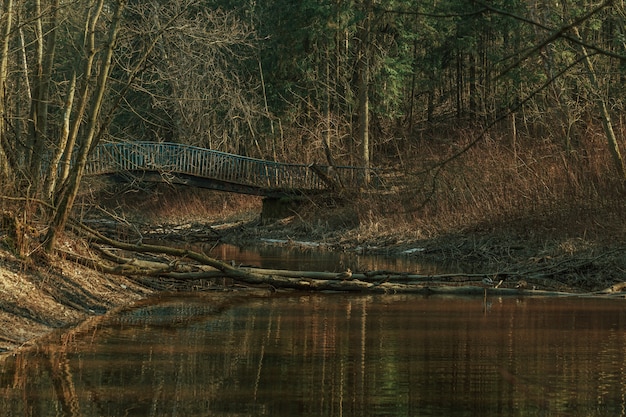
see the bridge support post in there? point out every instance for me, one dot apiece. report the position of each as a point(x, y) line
point(275, 208)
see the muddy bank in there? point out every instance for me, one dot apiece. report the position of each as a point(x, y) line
point(40, 295)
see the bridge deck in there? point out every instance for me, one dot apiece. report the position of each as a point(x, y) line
point(218, 170)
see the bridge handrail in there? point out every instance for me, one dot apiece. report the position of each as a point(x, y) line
point(109, 158)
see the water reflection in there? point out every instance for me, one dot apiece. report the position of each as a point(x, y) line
point(304, 258)
point(333, 355)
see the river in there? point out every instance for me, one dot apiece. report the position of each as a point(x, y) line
point(302, 354)
point(307, 257)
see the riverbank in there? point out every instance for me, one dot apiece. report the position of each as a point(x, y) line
point(36, 299)
point(579, 247)
point(566, 259)
point(574, 250)
point(579, 243)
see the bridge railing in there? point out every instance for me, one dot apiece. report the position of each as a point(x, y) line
point(191, 160)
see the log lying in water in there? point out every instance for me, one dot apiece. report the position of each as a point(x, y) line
point(369, 276)
point(191, 265)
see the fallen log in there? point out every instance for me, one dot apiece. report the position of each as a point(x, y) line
point(368, 276)
point(191, 265)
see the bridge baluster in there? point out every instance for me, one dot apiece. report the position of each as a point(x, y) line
point(210, 164)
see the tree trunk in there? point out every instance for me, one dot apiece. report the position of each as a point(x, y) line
point(604, 112)
point(62, 141)
point(68, 194)
point(363, 87)
point(46, 44)
point(7, 16)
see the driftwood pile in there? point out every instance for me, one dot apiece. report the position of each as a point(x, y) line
point(145, 262)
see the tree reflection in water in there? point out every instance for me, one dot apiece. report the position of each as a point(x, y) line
point(329, 355)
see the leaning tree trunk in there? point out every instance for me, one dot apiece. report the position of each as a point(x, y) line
point(604, 113)
point(62, 144)
point(69, 192)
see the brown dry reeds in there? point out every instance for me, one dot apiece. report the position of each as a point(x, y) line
point(173, 204)
point(530, 187)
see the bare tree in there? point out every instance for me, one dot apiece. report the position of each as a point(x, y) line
point(6, 21)
point(363, 88)
point(605, 116)
point(198, 88)
point(67, 195)
point(75, 67)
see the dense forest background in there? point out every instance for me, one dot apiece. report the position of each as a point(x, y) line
point(473, 107)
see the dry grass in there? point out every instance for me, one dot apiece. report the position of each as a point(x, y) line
point(161, 203)
point(37, 297)
point(535, 189)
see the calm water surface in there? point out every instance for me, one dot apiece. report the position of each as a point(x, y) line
point(303, 258)
point(330, 355)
